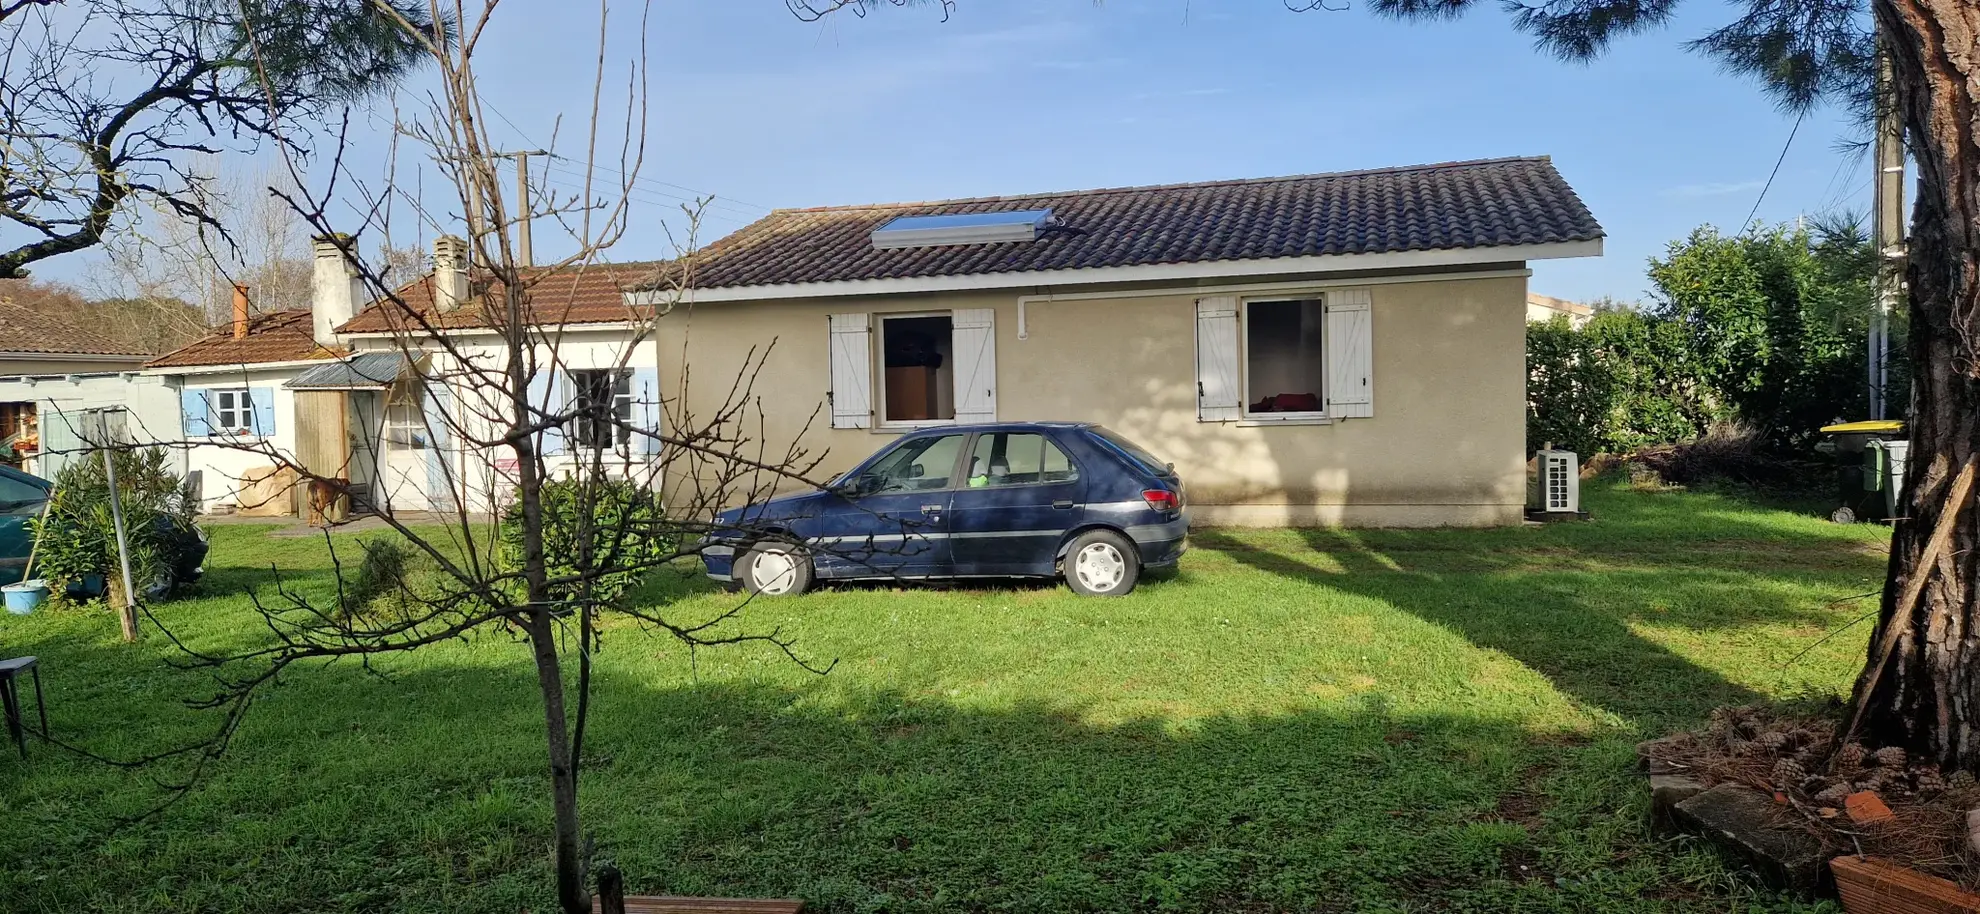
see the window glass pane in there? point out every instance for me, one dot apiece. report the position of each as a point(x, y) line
point(918, 366)
point(924, 463)
point(1057, 467)
point(1283, 355)
point(1007, 459)
point(1149, 462)
point(19, 498)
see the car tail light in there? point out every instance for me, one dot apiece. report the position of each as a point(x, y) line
point(1162, 499)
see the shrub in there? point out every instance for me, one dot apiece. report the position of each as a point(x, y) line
point(615, 522)
point(1764, 328)
point(76, 537)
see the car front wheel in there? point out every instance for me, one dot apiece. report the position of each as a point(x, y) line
point(776, 569)
point(1102, 563)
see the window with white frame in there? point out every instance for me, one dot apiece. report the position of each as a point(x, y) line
point(929, 368)
point(1284, 355)
point(405, 419)
point(233, 411)
point(602, 401)
point(1289, 357)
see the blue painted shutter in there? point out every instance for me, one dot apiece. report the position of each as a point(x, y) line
point(646, 410)
point(194, 414)
point(263, 399)
point(437, 406)
point(548, 392)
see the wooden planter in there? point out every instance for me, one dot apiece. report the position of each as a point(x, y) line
point(1872, 885)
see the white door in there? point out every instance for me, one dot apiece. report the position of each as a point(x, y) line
point(402, 481)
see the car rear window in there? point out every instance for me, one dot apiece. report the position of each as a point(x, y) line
point(1149, 463)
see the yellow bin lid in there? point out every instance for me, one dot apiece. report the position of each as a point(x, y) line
point(1869, 427)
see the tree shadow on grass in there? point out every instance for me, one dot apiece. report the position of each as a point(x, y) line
point(425, 793)
point(1562, 600)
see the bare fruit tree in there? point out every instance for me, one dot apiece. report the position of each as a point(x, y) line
point(533, 391)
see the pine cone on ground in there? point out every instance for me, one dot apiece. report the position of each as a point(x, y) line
point(1773, 741)
point(1720, 726)
point(1803, 738)
point(1875, 781)
point(1788, 774)
point(1833, 795)
point(1850, 757)
point(1741, 746)
point(1928, 779)
point(1888, 757)
point(1962, 780)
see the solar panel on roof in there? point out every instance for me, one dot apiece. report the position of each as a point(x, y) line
point(961, 228)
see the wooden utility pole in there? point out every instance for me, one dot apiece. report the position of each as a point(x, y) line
point(524, 256)
point(1887, 229)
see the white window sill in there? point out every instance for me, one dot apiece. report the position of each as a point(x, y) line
point(1264, 422)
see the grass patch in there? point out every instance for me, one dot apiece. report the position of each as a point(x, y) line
point(1299, 720)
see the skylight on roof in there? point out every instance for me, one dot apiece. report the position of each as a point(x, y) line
point(961, 228)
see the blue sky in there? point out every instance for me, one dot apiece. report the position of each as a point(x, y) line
point(1014, 96)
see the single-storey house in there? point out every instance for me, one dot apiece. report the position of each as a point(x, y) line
point(46, 357)
point(1340, 348)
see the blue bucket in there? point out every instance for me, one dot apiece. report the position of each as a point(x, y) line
point(22, 598)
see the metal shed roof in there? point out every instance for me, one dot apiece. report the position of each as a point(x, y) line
point(367, 371)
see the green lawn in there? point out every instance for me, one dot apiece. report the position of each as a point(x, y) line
point(1300, 721)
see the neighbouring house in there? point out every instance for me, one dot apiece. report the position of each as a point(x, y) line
point(1546, 307)
point(1322, 349)
point(235, 410)
point(592, 354)
point(37, 350)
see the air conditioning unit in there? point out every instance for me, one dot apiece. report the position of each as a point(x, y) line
point(1556, 485)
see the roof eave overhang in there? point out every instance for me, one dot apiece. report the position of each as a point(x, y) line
point(71, 357)
point(234, 367)
point(1217, 269)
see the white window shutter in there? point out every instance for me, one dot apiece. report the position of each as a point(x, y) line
point(976, 364)
point(852, 371)
point(1350, 355)
point(1218, 393)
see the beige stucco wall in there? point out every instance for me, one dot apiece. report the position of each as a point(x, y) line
point(1446, 444)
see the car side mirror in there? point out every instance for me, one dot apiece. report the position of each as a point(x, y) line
point(852, 487)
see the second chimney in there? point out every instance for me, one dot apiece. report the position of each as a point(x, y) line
point(450, 273)
point(240, 311)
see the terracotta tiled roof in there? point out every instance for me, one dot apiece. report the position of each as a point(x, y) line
point(23, 329)
point(1488, 203)
point(587, 294)
point(278, 336)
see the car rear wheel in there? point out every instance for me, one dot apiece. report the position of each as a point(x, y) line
point(776, 569)
point(1102, 563)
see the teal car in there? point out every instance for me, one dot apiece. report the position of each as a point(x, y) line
point(23, 496)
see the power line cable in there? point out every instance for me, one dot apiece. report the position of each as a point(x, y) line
point(635, 178)
point(1743, 226)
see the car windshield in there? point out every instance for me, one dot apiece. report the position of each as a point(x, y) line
point(1130, 450)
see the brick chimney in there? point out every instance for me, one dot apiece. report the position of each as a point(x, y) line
point(336, 289)
point(240, 310)
point(450, 273)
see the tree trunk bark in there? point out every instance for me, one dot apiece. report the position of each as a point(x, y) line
point(571, 893)
point(1927, 698)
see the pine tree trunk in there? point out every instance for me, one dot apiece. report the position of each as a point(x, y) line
point(1927, 698)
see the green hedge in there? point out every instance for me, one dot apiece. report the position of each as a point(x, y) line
point(1766, 328)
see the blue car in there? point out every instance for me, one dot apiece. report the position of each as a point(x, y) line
point(1029, 499)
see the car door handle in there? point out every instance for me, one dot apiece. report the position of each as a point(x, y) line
point(931, 509)
point(1063, 504)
